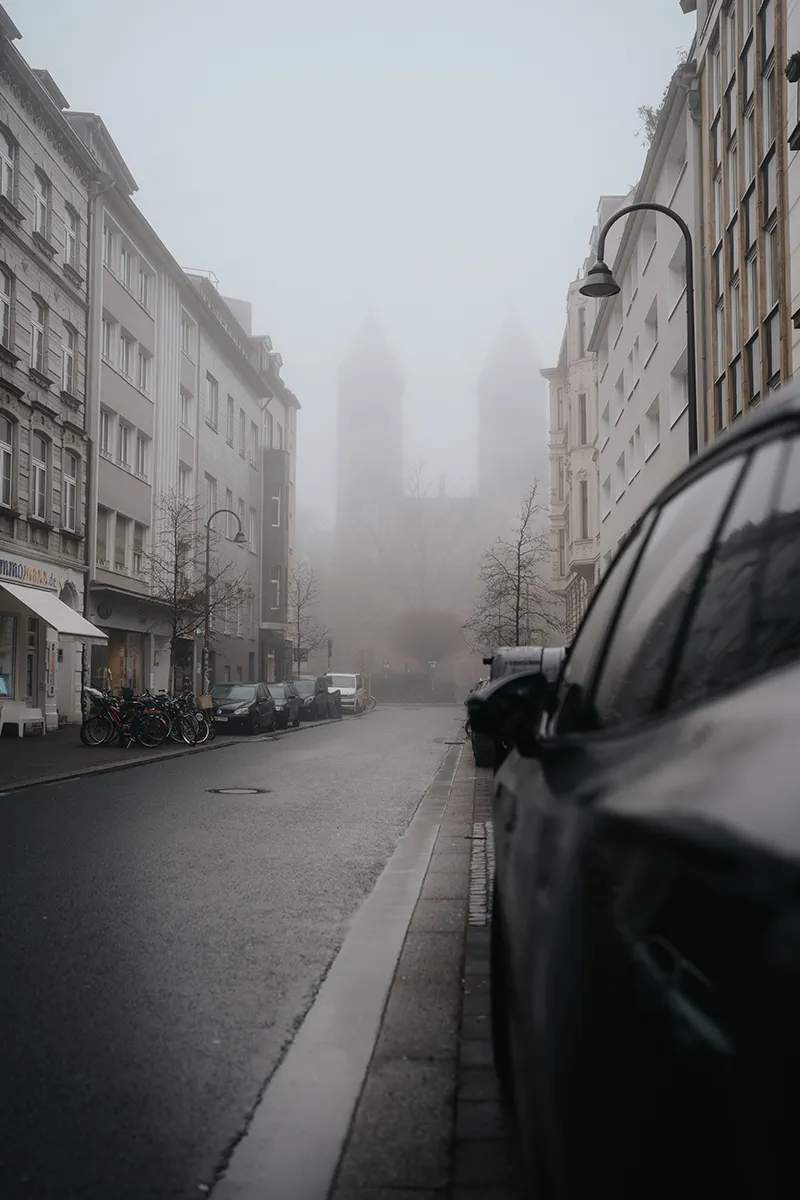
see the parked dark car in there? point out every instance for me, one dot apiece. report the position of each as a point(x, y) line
point(313, 692)
point(243, 706)
point(487, 750)
point(287, 704)
point(645, 956)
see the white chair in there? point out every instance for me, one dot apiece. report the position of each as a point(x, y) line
point(16, 712)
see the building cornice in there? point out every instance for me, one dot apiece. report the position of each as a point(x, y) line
point(45, 114)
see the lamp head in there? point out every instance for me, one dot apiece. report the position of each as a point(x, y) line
point(599, 282)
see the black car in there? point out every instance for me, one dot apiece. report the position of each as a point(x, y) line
point(487, 750)
point(287, 704)
point(313, 692)
point(645, 956)
point(243, 706)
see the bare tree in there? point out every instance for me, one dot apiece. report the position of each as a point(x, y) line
point(175, 566)
point(515, 606)
point(303, 599)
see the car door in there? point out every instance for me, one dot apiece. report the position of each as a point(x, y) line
point(322, 699)
point(293, 700)
point(263, 701)
point(569, 1005)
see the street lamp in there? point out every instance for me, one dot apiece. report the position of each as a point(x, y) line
point(239, 540)
point(600, 283)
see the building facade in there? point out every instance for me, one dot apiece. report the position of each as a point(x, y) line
point(741, 56)
point(640, 335)
point(47, 186)
point(573, 443)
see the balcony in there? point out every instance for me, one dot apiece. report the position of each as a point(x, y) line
point(582, 556)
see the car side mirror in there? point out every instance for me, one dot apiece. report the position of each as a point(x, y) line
point(511, 709)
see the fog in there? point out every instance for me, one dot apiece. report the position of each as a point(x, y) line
point(436, 163)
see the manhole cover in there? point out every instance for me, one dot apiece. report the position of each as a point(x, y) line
point(239, 791)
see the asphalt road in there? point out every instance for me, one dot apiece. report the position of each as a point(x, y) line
point(160, 944)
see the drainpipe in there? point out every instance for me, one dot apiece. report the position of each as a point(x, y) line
point(694, 105)
point(97, 188)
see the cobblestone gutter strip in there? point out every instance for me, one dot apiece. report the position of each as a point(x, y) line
point(484, 1163)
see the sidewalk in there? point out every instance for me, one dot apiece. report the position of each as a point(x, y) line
point(429, 1122)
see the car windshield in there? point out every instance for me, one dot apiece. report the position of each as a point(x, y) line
point(233, 691)
point(342, 681)
point(305, 686)
point(277, 691)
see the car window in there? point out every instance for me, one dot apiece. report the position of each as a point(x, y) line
point(718, 649)
point(588, 642)
point(652, 613)
point(776, 622)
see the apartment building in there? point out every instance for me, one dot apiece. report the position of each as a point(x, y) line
point(743, 151)
point(573, 443)
point(47, 184)
point(233, 394)
point(640, 335)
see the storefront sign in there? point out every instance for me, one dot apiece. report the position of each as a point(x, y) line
point(22, 572)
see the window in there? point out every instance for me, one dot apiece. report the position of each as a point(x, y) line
point(41, 203)
point(652, 612)
point(752, 356)
point(125, 355)
point(251, 665)
point(141, 456)
point(750, 218)
point(678, 390)
point(651, 330)
point(736, 337)
point(7, 159)
point(275, 588)
point(560, 479)
point(750, 148)
point(736, 394)
point(230, 519)
point(108, 246)
point(752, 294)
point(102, 537)
point(605, 498)
point(583, 509)
point(38, 326)
point(6, 460)
point(252, 530)
point(242, 433)
point(772, 333)
point(581, 332)
point(212, 401)
point(125, 266)
point(720, 338)
point(139, 533)
point(770, 110)
point(772, 265)
point(733, 246)
point(105, 432)
point(121, 544)
point(5, 308)
point(275, 508)
point(583, 433)
point(767, 30)
point(186, 336)
point(241, 515)
point(211, 495)
point(144, 288)
point(107, 339)
point(124, 445)
point(143, 373)
point(733, 181)
point(720, 648)
point(279, 429)
point(231, 421)
point(652, 428)
point(69, 515)
point(253, 447)
point(38, 480)
point(72, 239)
point(559, 409)
point(769, 185)
point(186, 409)
point(184, 481)
point(268, 430)
point(68, 343)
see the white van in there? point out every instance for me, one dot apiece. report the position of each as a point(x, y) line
point(354, 695)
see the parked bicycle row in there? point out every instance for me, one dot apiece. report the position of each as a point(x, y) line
point(151, 719)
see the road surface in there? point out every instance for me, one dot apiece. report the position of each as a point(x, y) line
point(161, 943)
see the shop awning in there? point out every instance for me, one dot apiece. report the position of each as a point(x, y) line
point(55, 612)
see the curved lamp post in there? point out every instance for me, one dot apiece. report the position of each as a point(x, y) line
point(239, 540)
point(600, 283)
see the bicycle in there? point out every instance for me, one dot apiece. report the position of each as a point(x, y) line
point(130, 721)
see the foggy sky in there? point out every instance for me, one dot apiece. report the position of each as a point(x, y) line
point(435, 162)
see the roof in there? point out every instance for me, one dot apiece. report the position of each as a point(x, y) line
point(89, 124)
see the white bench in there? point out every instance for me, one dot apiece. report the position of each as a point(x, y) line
point(16, 712)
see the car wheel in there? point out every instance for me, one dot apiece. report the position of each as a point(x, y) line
point(255, 724)
point(501, 1047)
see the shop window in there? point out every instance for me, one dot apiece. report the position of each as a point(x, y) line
point(8, 634)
